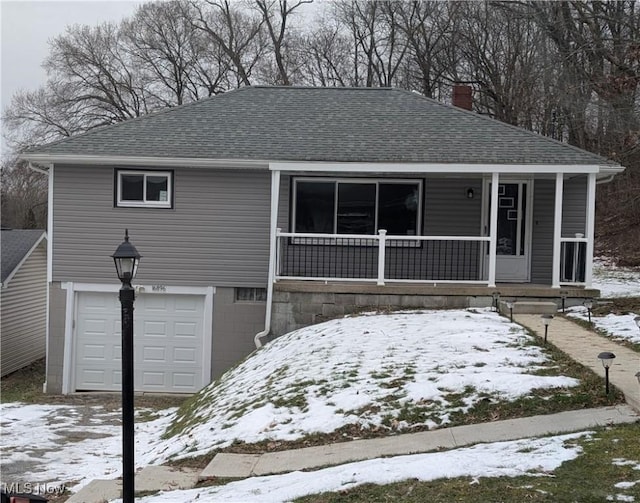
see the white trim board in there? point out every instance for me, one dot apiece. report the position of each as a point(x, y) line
point(360, 167)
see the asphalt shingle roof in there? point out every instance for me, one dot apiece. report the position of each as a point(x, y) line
point(322, 124)
point(15, 244)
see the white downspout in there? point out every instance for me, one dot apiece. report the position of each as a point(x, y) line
point(275, 196)
point(49, 173)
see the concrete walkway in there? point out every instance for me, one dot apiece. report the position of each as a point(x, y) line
point(246, 465)
point(584, 347)
point(579, 343)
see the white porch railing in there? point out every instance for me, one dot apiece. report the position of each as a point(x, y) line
point(381, 258)
point(573, 253)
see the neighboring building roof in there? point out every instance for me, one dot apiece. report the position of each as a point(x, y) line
point(16, 245)
point(321, 124)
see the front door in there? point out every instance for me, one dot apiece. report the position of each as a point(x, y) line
point(514, 230)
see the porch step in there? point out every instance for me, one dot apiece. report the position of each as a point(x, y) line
point(529, 307)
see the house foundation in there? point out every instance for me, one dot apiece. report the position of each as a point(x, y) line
point(298, 304)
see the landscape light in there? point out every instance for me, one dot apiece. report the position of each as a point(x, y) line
point(606, 358)
point(563, 296)
point(589, 305)
point(496, 299)
point(546, 321)
point(510, 306)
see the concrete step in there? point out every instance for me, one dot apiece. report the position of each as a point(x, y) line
point(529, 307)
point(149, 479)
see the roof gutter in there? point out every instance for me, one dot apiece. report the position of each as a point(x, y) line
point(116, 160)
point(40, 168)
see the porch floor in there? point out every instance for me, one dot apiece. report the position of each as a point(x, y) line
point(506, 290)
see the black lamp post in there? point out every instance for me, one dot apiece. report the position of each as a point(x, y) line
point(563, 296)
point(606, 358)
point(496, 300)
point(546, 321)
point(126, 258)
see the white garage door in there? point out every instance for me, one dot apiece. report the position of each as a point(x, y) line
point(168, 342)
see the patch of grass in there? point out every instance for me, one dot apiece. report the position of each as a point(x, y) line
point(24, 385)
point(590, 477)
point(295, 400)
point(603, 333)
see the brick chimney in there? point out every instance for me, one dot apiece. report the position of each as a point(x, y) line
point(462, 96)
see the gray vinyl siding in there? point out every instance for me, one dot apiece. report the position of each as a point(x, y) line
point(24, 309)
point(574, 206)
point(542, 235)
point(448, 211)
point(217, 233)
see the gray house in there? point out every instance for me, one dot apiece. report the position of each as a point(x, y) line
point(268, 208)
point(23, 298)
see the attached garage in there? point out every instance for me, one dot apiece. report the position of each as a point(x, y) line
point(172, 341)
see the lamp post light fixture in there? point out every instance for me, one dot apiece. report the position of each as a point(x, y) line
point(126, 259)
point(606, 358)
point(546, 321)
point(510, 306)
point(589, 305)
point(563, 296)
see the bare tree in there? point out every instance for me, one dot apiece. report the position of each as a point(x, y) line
point(276, 16)
point(24, 196)
point(235, 30)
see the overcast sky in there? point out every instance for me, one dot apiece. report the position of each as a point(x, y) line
point(27, 26)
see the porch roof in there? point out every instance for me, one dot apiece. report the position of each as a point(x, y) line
point(258, 125)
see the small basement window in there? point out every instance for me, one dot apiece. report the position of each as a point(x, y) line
point(251, 294)
point(141, 189)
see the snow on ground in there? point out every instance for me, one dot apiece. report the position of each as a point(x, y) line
point(373, 370)
point(61, 444)
point(617, 326)
point(615, 281)
point(376, 371)
point(534, 457)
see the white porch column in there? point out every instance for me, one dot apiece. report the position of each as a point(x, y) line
point(590, 229)
point(493, 229)
point(557, 232)
point(275, 198)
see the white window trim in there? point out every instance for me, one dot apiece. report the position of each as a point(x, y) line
point(144, 203)
point(377, 181)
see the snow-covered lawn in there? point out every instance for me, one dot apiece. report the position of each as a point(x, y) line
point(616, 326)
point(615, 281)
point(377, 371)
point(390, 371)
point(534, 457)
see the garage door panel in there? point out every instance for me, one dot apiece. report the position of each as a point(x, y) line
point(168, 341)
point(186, 305)
point(154, 354)
point(153, 328)
point(185, 355)
point(93, 352)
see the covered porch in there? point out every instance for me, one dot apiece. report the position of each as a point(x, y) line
point(468, 226)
